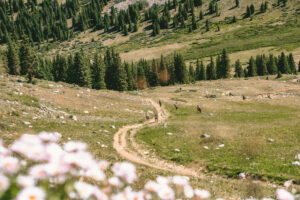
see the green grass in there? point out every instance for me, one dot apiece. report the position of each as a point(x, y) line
point(243, 129)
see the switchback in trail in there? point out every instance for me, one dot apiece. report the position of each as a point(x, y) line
point(124, 143)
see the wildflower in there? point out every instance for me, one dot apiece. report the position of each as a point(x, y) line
point(9, 164)
point(180, 180)
point(31, 193)
point(188, 191)
point(84, 190)
point(75, 146)
point(96, 174)
point(201, 194)
point(282, 194)
point(103, 165)
point(115, 181)
point(126, 171)
point(163, 180)
point(165, 192)
point(152, 186)
point(38, 171)
point(4, 183)
point(49, 137)
point(25, 181)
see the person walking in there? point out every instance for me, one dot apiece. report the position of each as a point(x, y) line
point(176, 106)
point(199, 109)
point(159, 102)
point(156, 117)
point(147, 116)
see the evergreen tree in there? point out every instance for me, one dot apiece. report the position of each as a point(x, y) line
point(283, 65)
point(197, 73)
point(120, 74)
point(194, 23)
point(98, 73)
point(239, 72)
point(233, 19)
point(192, 74)
point(180, 69)
point(272, 68)
point(252, 9)
point(264, 69)
point(26, 56)
point(13, 59)
point(81, 70)
point(225, 62)
point(251, 68)
point(237, 3)
point(299, 66)
point(211, 70)
point(292, 64)
point(207, 25)
point(202, 72)
point(163, 71)
point(201, 16)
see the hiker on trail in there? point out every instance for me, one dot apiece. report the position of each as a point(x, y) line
point(176, 105)
point(147, 116)
point(156, 117)
point(199, 109)
point(244, 97)
point(159, 103)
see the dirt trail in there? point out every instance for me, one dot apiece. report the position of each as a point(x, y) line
point(126, 146)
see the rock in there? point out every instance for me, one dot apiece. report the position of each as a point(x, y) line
point(296, 163)
point(30, 126)
point(177, 150)
point(113, 126)
point(221, 145)
point(165, 125)
point(105, 131)
point(86, 112)
point(146, 152)
point(98, 142)
point(150, 111)
point(168, 133)
point(103, 146)
point(61, 117)
point(50, 85)
point(27, 123)
point(270, 140)
point(242, 175)
point(205, 135)
point(69, 138)
point(206, 147)
point(94, 132)
point(297, 157)
point(63, 122)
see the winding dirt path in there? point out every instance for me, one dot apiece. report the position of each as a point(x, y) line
point(125, 145)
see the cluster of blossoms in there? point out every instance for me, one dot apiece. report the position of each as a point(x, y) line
point(36, 165)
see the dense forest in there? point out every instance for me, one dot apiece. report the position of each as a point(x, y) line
point(51, 21)
point(109, 72)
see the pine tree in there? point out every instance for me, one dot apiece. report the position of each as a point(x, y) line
point(120, 74)
point(207, 25)
point(197, 73)
point(233, 19)
point(180, 69)
point(13, 59)
point(26, 56)
point(211, 70)
point(98, 73)
point(154, 73)
point(225, 62)
point(283, 65)
point(194, 23)
point(192, 74)
point(252, 9)
point(201, 16)
point(239, 72)
point(264, 69)
point(237, 3)
point(299, 66)
point(292, 64)
point(202, 72)
point(82, 70)
point(251, 68)
point(272, 68)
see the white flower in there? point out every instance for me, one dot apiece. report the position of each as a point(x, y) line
point(165, 192)
point(282, 194)
point(4, 182)
point(103, 165)
point(180, 180)
point(152, 186)
point(25, 181)
point(95, 173)
point(115, 181)
point(75, 146)
point(125, 171)
point(163, 180)
point(9, 164)
point(202, 194)
point(84, 190)
point(188, 191)
point(49, 137)
point(31, 193)
point(3, 151)
point(38, 171)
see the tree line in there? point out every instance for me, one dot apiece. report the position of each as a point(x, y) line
point(109, 72)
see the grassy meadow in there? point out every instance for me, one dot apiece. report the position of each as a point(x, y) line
point(258, 136)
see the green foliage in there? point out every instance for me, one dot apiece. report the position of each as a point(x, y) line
point(13, 59)
point(98, 72)
point(239, 72)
